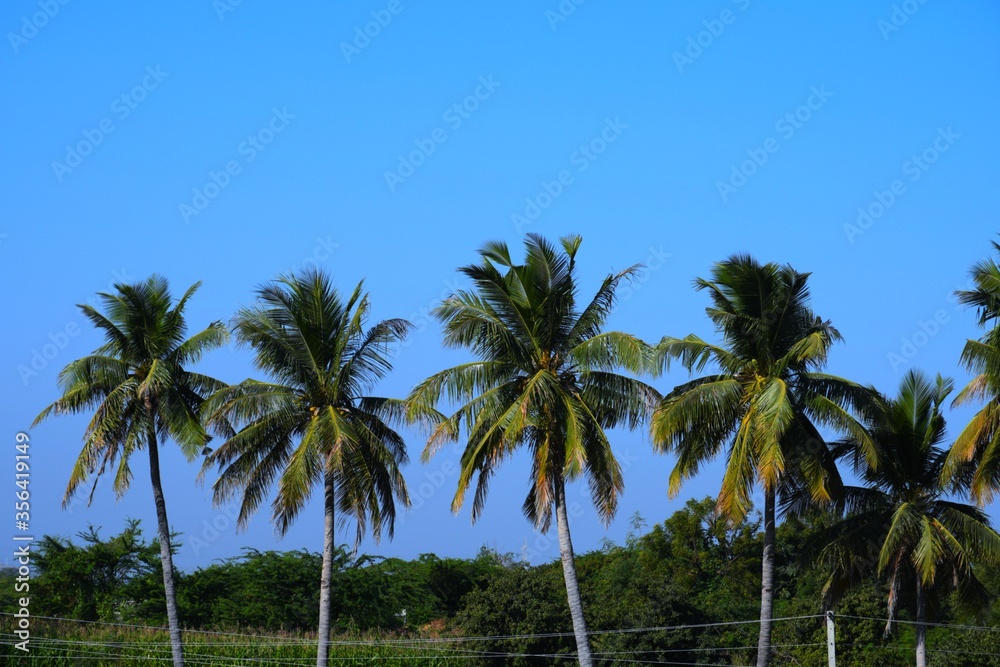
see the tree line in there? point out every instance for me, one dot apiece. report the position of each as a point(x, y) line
point(694, 568)
point(547, 378)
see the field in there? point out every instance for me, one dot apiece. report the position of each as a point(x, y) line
point(59, 645)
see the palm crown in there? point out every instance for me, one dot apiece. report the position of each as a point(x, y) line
point(768, 396)
point(979, 441)
point(902, 522)
point(314, 419)
point(545, 376)
point(137, 382)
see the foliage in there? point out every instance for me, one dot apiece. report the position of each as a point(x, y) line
point(763, 403)
point(117, 580)
point(767, 395)
point(141, 393)
point(131, 647)
point(313, 422)
point(137, 384)
point(902, 524)
point(545, 377)
point(979, 441)
point(519, 600)
point(693, 568)
point(260, 589)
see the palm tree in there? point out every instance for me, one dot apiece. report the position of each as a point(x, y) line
point(313, 423)
point(545, 380)
point(901, 523)
point(141, 394)
point(979, 441)
point(765, 401)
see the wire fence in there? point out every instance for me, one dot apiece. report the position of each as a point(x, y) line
point(56, 641)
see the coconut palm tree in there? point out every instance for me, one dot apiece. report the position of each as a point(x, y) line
point(764, 402)
point(902, 524)
point(141, 395)
point(544, 380)
point(313, 423)
point(979, 441)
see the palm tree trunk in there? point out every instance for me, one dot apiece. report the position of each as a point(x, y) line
point(326, 579)
point(569, 574)
point(921, 628)
point(166, 557)
point(766, 582)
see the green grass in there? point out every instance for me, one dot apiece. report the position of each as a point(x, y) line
point(58, 645)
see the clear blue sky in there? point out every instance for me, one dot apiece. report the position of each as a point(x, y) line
point(116, 113)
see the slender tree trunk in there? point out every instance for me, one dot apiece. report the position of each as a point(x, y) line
point(766, 583)
point(921, 628)
point(326, 579)
point(569, 574)
point(166, 557)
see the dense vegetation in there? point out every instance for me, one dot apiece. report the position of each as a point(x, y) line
point(547, 378)
point(692, 569)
